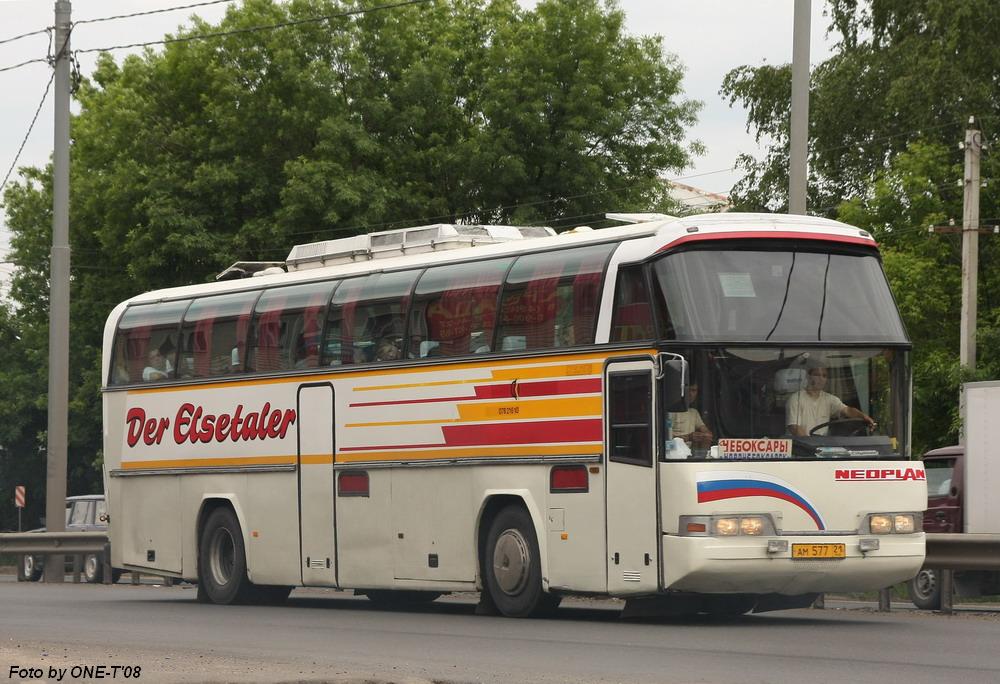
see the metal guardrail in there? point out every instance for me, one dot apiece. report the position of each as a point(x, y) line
point(44, 543)
point(962, 551)
point(75, 544)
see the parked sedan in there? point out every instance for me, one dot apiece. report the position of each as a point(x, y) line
point(86, 513)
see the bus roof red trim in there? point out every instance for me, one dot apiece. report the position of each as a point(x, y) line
point(769, 234)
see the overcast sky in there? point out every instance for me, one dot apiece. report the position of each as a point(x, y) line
point(709, 36)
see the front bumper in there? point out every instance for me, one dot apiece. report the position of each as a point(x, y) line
point(743, 565)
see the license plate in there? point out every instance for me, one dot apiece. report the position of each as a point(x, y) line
point(819, 551)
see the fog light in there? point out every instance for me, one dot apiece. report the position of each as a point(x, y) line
point(880, 524)
point(727, 527)
point(777, 545)
point(904, 523)
point(751, 525)
point(866, 545)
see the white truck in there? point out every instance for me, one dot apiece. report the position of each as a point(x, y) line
point(962, 486)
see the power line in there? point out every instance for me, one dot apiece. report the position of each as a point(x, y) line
point(30, 127)
point(26, 63)
point(148, 12)
point(254, 29)
point(25, 35)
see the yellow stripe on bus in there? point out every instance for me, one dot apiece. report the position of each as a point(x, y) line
point(582, 407)
point(331, 372)
point(381, 456)
point(471, 452)
point(212, 462)
point(308, 459)
point(560, 371)
point(410, 385)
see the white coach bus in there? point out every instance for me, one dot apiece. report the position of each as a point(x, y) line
point(708, 414)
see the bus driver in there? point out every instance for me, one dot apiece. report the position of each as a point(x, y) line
point(813, 406)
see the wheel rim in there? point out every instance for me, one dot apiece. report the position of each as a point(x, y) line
point(90, 567)
point(925, 584)
point(222, 556)
point(29, 566)
point(511, 562)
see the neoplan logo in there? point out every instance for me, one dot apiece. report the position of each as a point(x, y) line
point(879, 474)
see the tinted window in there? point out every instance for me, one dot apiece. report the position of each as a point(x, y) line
point(747, 295)
point(146, 343)
point(287, 327)
point(368, 318)
point(633, 316)
point(214, 335)
point(551, 299)
point(454, 309)
point(630, 408)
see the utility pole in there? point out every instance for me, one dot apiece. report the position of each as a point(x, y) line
point(970, 245)
point(798, 137)
point(970, 230)
point(55, 478)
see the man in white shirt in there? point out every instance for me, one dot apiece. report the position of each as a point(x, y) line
point(813, 406)
point(689, 426)
point(159, 367)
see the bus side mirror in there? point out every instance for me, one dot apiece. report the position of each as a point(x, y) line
point(675, 381)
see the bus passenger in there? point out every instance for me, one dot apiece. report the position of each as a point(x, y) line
point(387, 351)
point(813, 406)
point(689, 426)
point(158, 367)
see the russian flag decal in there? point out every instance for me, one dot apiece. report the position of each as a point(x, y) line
point(717, 485)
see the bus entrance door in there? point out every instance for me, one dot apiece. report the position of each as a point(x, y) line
point(317, 513)
point(630, 464)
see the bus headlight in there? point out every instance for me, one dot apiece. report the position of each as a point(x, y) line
point(892, 523)
point(880, 524)
point(903, 523)
point(751, 525)
point(726, 525)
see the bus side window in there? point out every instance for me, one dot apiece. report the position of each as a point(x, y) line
point(454, 309)
point(146, 343)
point(368, 314)
point(287, 327)
point(633, 315)
point(214, 335)
point(551, 301)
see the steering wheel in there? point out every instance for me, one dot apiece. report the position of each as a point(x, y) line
point(863, 429)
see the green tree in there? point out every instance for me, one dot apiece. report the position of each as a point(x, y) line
point(238, 146)
point(886, 113)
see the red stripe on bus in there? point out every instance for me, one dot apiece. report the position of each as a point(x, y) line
point(555, 387)
point(768, 234)
point(541, 388)
point(545, 431)
point(721, 494)
point(540, 432)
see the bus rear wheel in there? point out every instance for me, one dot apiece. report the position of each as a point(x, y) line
point(512, 563)
point(222, 560)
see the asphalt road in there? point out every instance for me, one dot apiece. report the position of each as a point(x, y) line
point(330, 636)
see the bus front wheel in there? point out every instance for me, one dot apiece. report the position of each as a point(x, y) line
point(512, 563)
point(222, 560)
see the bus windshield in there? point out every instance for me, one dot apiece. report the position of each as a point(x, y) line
point(784, 402)
point(784, 295)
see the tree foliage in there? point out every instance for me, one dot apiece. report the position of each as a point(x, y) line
point(887, 111)
point(210, 150)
